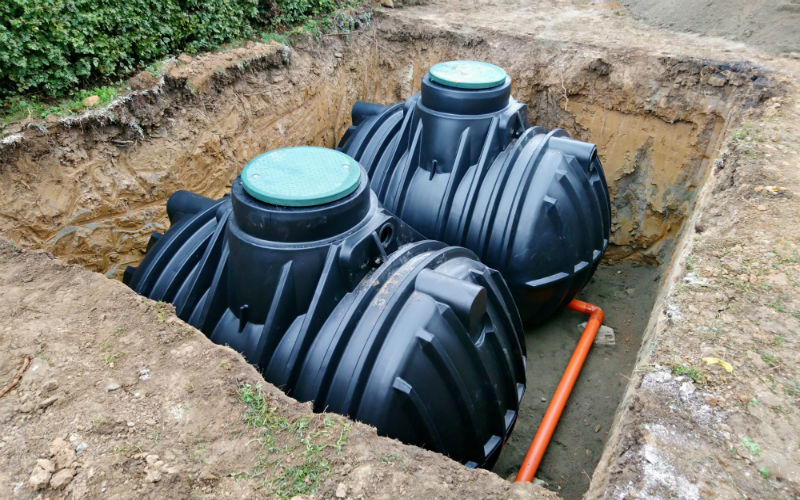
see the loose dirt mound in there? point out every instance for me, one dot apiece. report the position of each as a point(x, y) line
point(714, 407)
point(122, 400)
point(773, 25)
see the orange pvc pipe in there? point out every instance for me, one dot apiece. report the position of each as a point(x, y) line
point(550, 420)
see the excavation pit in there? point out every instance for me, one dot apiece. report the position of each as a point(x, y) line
point(91, 190)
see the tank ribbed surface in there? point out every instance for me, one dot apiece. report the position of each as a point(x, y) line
point(530, 203)
point(361, 316)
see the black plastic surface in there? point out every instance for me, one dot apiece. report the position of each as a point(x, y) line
point(465, 167)
point(345, 305)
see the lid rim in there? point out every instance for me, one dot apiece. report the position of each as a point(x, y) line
point(469, 75)
point(303, 176)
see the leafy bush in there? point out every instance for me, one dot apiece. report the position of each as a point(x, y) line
point(51, 47)
point(289, 12)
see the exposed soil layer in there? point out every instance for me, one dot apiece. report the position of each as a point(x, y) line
point(92, 189)
point(122, 399)
point(770, 25)
point(692, 429)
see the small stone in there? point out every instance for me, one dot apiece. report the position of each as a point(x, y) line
point(47, 402)
point(761, 208)
point(40, 476)
point(26, 407)
point(46, 464)
point(544, 399)
point(50, 385)
point(277, 78)
point(62, 453)
point(185, 58)
point(152, 476)
point(81, 446)
point(90, 101)
point(113, 385)
point(131, 424)
point(143, 81)
point(207, 475)
point(151, 459)
point(144, 374)
point(62, 478)
point(338, 55)
point(341, 490)
point(717, 80)
point(596, 428)
point(388, 3)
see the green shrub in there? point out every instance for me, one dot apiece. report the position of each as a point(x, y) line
point(289, 12)
point(51, 47)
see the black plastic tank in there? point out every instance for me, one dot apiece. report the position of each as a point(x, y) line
point(339, 302)
point(460, 163)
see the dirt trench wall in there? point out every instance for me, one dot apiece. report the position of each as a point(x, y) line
point(92, 189)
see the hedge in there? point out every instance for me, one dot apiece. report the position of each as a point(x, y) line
point(52, 47)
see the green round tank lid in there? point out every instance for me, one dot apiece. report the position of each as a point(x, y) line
point(303, 176)
point(468, 74)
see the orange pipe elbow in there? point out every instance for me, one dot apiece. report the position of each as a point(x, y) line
point(550, 420)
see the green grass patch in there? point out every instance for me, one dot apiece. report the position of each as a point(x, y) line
point(274, 36)
point(697, 376)
point(296, 453)
point(751, 445)
point(16, 109)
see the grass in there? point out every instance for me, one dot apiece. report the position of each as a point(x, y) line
point(793, 388)
point(302, 442)
point(162, 313)
point(109, 358)
point(19, 108)
point(751, 445)
point(746, 138)
point(274, 36)
point(697, 376)
point(778, 306)
point(301, 479)
point(768, 358)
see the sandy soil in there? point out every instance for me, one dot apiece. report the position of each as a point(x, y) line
point(122, 400)
point(773, 25)
point(687, 429)
point(584, 427)
point(694, 429)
